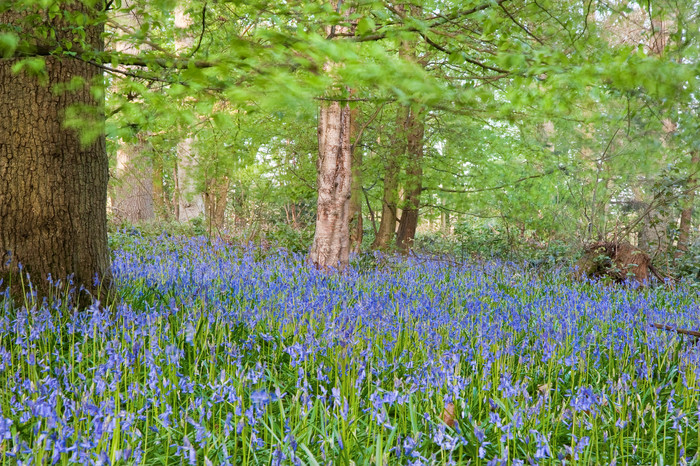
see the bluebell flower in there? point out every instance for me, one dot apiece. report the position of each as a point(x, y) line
point(5, 431)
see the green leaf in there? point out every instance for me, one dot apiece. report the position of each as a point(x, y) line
point(35, 66)
point(365, 25)
point(8, 44)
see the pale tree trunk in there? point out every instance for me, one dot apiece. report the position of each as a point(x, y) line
point(356, 188)
point(133, 193)
point(190, 200)
point(687, 212)
point(53, 193)
point(331, 245)
point(414, 185)
point(132, 198)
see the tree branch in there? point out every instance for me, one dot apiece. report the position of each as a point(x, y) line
point(467, 59)
point(490, 188)
point(436, 21)
point(527, 31)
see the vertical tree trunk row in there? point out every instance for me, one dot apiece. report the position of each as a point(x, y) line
point(392, 166)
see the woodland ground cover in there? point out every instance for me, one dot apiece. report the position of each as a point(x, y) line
point(217, 354)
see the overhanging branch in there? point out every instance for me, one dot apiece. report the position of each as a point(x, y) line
point(490, 188)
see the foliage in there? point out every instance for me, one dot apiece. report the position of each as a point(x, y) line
point(687, 265)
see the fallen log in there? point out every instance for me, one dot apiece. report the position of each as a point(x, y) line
point(681, 331)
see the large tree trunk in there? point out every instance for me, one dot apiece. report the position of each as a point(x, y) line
point(687, 212)
point(390, 197)
point(191, 201)
point(414, 185)
point(53, 194)
point(331, 245)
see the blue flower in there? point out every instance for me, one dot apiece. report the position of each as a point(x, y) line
point(5, 431)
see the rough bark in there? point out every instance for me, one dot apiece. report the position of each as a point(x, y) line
point(414, 173)
point(331, 245)
point(190, 199)
point(53, 194)
point(390, 196)
point(356, 188)
point(687, 212)
point(132, 199)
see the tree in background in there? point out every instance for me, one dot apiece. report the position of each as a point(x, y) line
point(190, 203)
point(331, 244)
point(132, 198)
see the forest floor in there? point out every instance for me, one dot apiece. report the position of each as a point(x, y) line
point(215, 354)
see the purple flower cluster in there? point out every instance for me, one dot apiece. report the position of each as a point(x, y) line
point(217, 354)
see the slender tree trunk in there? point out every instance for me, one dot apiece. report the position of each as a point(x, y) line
point(215, 200)
point(162, 206)
point(687, 212)
point(191, 201)
point(414, 185)
point(390, 197)
point(356, 188)
point(444, 218)
point(53, 193)
point(175, 201)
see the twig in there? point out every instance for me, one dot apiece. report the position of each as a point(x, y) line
point(371, 212)
point(491, 188)
point(521, 26)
